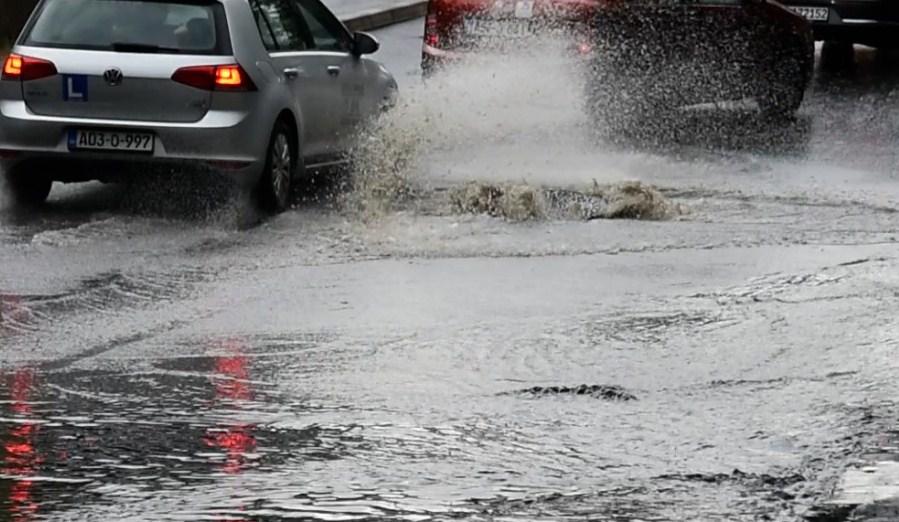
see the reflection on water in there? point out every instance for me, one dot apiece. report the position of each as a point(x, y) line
point(416, 428)
point(125, 435)
point(232, 388)
point(20, 457)
point(76, 441)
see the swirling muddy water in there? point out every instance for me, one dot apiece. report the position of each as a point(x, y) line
point(465, 329)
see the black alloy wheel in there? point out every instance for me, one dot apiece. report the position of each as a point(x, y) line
point(282, 161)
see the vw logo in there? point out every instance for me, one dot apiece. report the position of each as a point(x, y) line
point(113, 77)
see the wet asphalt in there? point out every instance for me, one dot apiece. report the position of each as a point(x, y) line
point(391, 350)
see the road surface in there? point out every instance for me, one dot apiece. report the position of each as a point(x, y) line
point(391, 352)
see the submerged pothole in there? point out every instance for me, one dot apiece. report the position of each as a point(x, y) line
point(520, 202)
point(627, 200)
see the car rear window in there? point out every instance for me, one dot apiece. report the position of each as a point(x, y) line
point(148, 26)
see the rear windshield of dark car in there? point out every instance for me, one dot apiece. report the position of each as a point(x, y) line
point(144, 26)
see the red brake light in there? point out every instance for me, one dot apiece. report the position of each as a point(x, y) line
point(215, 78)
point(202, 77)
point(432, 37)
point(25, 68)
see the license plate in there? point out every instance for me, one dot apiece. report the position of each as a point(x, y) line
point(815, 14)
point(487, 28)
point(111, 140)
point(524, 8)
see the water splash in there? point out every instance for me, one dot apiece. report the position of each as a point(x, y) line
point(627, 200)
point(493, 99)
point(513, 202)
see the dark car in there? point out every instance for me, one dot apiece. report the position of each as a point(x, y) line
point(647, 54)
point(868, 22)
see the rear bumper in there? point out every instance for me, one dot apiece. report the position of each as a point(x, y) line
point(108, 168)
point(433, 58)
point(222, 140)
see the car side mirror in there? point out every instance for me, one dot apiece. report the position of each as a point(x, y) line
point(364, 43)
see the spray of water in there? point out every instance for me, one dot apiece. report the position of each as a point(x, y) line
point(491, 129)
point(384, 162)
point(513, 202)
point(210, 198)
point(522, 202)
point(489, 99)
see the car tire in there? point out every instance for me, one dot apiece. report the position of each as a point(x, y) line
point(784, 92)
point(28, 190)
point(282, 163)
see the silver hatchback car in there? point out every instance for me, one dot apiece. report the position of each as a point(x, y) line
point(260, 90)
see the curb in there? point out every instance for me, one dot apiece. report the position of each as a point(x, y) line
point(379, 18)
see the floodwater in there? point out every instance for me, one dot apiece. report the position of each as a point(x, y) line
point(497, 318)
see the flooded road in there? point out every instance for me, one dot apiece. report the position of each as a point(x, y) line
point(503, 319)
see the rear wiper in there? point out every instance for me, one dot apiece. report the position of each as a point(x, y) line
point(124, 47)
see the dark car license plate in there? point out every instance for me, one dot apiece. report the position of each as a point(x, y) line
point(815, 14)
point(496, 28)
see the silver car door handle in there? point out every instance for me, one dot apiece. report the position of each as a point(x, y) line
point(334, 70)
point(292, 73)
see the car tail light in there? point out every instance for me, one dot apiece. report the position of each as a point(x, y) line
point(432, 37)
point(26, 68)
point(215, 78)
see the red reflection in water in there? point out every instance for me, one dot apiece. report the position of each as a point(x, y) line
point(232, 386)
point(20, 458)
point(237, 441)
point(235, 385)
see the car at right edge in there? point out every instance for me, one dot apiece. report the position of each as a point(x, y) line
point(643, 59)
point(874, 23)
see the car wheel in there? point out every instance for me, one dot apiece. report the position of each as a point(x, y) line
point(784, 91)
point(281, 165)
point(28, 190)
